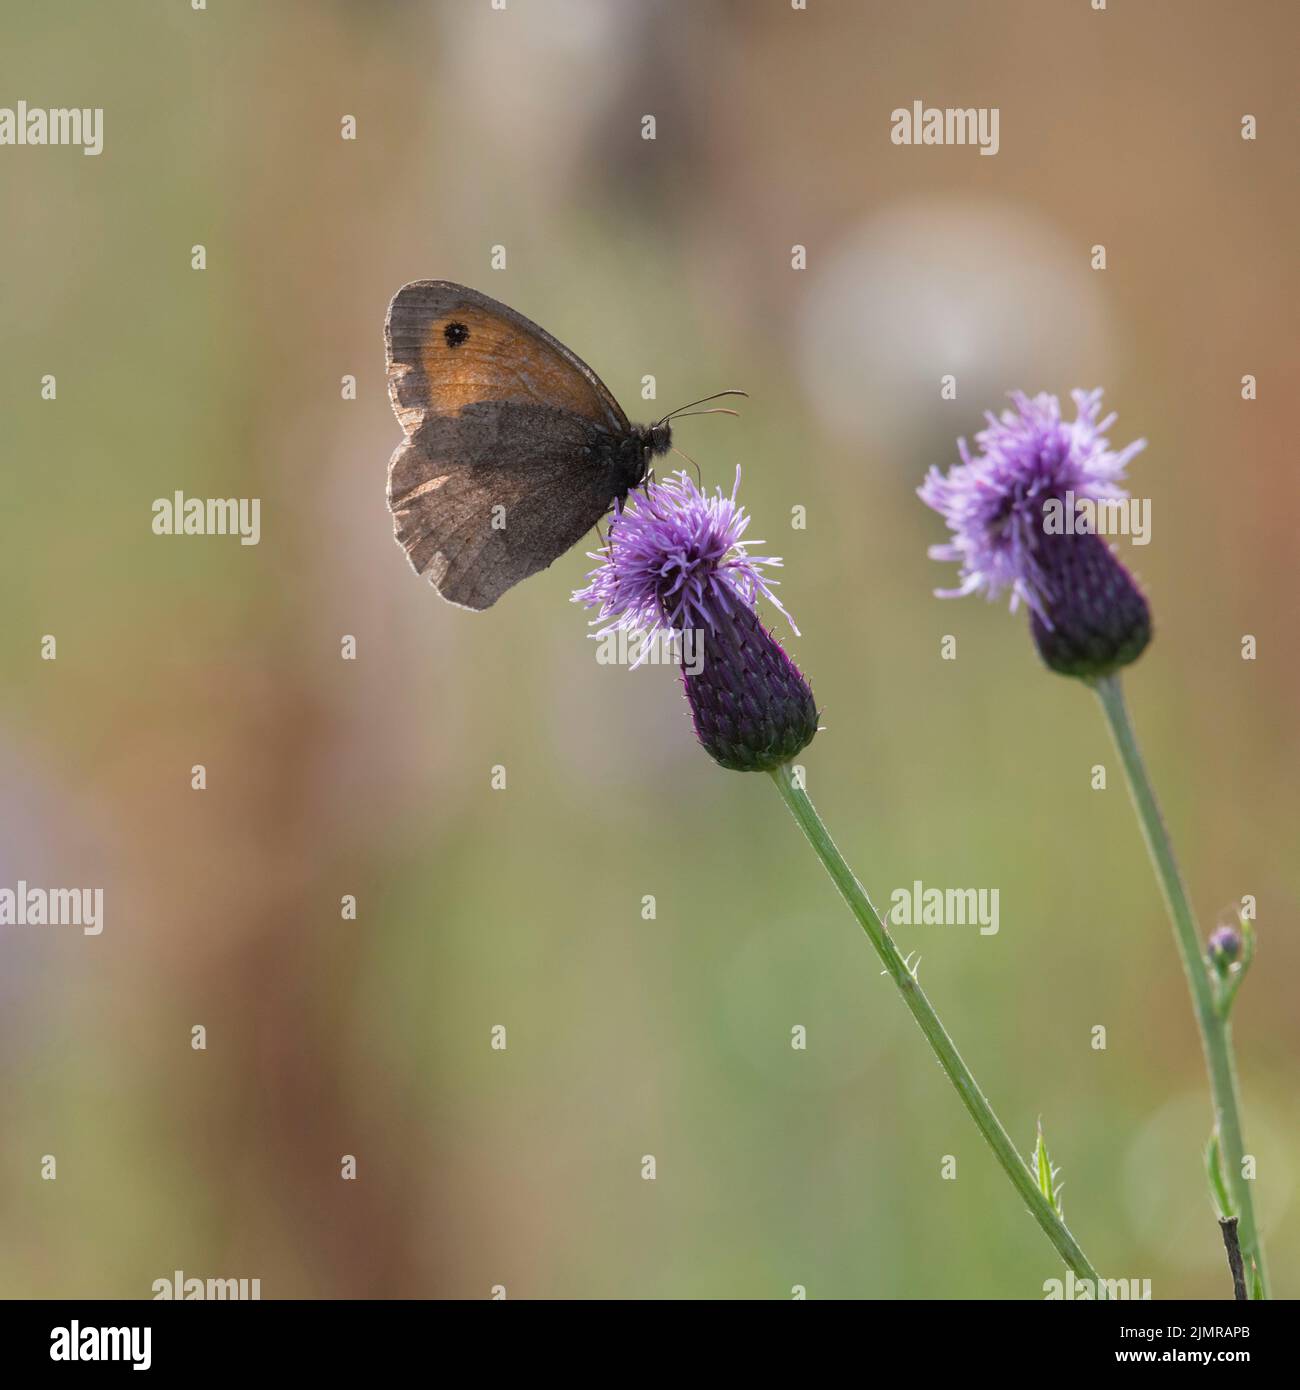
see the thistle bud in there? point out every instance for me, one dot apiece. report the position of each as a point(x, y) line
point(1224, 946)
point(1093, 617)
point(751, 707)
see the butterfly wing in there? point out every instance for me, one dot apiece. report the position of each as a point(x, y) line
point(497, 355)
point(479, 506)
point(500, 470)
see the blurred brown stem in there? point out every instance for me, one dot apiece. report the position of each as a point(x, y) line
point(1233, 1246)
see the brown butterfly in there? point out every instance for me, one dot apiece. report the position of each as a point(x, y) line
point(514, 447)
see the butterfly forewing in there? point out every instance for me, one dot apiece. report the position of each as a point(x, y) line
point(500, 472)
point(450, 346)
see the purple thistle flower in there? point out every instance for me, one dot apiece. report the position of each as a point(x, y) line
point(1088, 616)
point(676, 560)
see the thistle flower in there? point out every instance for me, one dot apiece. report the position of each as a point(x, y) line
point(676, 560)
point(1087, 615)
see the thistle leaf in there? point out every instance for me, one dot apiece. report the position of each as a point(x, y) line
point(1045, 1174)
point(1214, 1172)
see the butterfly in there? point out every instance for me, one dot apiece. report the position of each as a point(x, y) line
point(514, 448)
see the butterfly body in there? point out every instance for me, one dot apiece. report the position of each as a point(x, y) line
point(627, 458)
point(514, 447)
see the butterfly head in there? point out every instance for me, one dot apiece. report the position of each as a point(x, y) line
point(657, 439)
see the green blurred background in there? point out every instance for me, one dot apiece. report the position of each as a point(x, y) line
point(523, 907)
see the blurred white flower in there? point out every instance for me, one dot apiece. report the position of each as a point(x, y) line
point(984, 290)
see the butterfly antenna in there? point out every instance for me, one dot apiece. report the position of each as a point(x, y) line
point(704, 400)
point(699, 480)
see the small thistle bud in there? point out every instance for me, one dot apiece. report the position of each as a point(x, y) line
point(1229, 952)
point(676, 561)
point(1094, 619)
point(1088, 617)
point(751, 707)
point(1224, 946)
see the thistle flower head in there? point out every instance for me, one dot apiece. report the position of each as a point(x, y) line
point(1088, 615)
point(676, 560)
point(993, 500)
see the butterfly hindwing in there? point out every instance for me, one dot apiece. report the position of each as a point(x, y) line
point(500, 471)
point(478, 529)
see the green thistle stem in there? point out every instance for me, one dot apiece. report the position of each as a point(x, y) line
point(1022, 1179)
point(1216, 1035)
